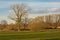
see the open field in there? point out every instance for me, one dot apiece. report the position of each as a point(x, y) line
point(47, 35)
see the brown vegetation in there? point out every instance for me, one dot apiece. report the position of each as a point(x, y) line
point(23, 22)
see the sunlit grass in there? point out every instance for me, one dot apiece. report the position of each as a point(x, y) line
point(46, 35)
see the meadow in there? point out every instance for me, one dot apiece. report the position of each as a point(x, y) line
point(42, 35)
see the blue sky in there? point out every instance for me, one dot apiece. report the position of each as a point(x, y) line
point(34, 0)
point(39, 7)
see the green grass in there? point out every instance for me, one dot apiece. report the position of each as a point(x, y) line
point(47, 35)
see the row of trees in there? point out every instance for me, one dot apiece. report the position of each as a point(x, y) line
point(45, 22)
point(20, 16)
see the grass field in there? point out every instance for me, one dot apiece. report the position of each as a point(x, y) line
point(46, 35)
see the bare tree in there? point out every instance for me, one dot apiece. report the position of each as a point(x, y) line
point(53, 20)
point(4, 24)
point(57, 20)
point(25, 21)
point(19, 10)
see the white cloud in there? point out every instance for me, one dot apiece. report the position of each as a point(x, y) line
point(38, 7)
point(46, 10)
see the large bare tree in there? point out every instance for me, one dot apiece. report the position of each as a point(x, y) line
point(19, 11)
